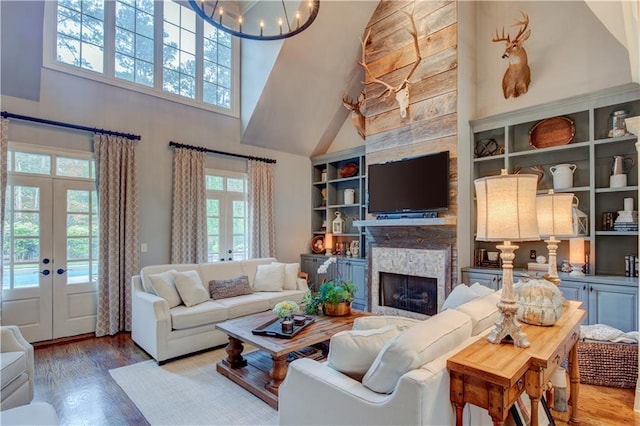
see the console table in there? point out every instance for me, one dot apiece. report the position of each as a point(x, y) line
point(493, 376)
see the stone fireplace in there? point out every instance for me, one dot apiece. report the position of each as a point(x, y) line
point(408, 282)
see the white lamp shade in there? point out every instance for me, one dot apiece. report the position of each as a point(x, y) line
point(506, 208)
point(576, 250)
point(328, 242)
point(555, 214)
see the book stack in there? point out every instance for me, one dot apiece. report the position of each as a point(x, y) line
point(627, 219)
point(631, 266)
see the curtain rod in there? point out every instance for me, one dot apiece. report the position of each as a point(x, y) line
point(6, 114)
point(213, 151)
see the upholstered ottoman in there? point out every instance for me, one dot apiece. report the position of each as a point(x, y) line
point(36, 414)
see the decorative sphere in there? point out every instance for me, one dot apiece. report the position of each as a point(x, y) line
point(540, 302)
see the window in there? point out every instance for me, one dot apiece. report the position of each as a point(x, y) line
point(155, 47)
point(226, 216)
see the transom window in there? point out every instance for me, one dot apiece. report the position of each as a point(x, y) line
point(226, 215)
point(155, 47)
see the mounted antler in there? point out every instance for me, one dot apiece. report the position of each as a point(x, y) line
point(401, 91)
point(357, 112)
point(518, 76)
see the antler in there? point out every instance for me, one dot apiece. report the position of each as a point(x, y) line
point(354, 105)
point(389, 88)
point(524, 23)
point(497, 38)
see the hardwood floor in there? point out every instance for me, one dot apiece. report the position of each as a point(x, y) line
point(74, 377)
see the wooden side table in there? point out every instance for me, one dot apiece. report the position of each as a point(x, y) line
point(493, 376)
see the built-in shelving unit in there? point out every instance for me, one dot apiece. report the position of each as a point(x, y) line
point(591, 150)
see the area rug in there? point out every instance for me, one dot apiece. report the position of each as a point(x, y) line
point(189, 391)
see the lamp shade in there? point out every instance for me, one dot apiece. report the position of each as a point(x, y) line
point(576, 250)
point(506, 208)
point(555, 214)
point(328, 242)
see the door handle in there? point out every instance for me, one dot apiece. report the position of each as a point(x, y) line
point(61, 271)
point(44, 272)
point(46, 261)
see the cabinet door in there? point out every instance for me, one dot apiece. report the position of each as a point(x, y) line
point(310, 264)
point(491, 280)
point(614, 305)
point(575, 290)
point(359, 278)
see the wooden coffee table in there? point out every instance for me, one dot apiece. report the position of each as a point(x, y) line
point(257, 372)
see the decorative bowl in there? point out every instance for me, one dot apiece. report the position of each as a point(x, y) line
point(348, 170)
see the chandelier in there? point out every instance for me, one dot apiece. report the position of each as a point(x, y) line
point(285, 23)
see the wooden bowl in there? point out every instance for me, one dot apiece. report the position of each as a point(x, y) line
point(348, 170)
point(552, 132)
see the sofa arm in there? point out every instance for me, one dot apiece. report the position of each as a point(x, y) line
point(150, 319)
point(11, 340)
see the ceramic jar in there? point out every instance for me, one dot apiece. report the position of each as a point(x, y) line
point(562, 175)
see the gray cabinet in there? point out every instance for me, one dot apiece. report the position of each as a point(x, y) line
point(488, 278)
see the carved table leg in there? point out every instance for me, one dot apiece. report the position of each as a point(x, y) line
point(459, 409)
point(534, 411)
point(278, 373)
point(574, 377)
point(234, 353)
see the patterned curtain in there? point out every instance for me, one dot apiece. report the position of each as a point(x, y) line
point(116, 181)
point(4, 145)
point(189, 216)
point(261, 211)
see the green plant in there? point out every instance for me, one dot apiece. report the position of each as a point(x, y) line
point(332, 292)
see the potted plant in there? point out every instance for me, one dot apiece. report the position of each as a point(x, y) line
point(334, 296)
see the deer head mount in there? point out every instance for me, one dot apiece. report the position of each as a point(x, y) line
point(357, 112)
point(518, 76)
point(402, 90)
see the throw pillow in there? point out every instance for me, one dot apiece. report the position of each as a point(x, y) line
point(290, 275)
point(190, 287)
point(353, 351)
point(481, 290)
point(415, 347)
point(378, 321)
point(164, 285)
point(269, 277)
point(483, 312)
point(459, 295)
point(222, 289)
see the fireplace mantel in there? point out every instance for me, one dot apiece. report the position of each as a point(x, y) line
point(437, 221)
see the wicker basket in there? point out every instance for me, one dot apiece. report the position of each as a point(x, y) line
point(608, 364)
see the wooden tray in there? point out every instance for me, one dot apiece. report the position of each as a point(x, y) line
point(273, 328)
point(552, 132)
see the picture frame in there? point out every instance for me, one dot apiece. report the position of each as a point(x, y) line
point(520, 412)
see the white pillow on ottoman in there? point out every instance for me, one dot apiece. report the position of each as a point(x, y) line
point(269, 277)
point(190, 287)
point(164, 285)
point(353, 351)
point(415, 347)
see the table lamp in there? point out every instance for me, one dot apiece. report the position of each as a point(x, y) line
point(555, 219)
point(328, 244)
point(506, 211)
point(576, 256)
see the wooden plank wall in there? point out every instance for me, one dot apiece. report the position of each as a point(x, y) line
point(431, 122)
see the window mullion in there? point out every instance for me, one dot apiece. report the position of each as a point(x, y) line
point(199, 59)
point(158, 54)
point(110, 38)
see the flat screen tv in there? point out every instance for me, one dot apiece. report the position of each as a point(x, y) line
point(411, 185)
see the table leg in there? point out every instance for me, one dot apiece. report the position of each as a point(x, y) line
point(534, 411)
point(234, 353)
point(278, 373)
point(459, 408)
point(574, 377)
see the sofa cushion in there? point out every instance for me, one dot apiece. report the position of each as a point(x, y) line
point(416, 346)
point(32, 414)
point(353, 351)
point(249, 267)
point(220, 270)
point(482, 311)
point(460, 294)
point(378, 321)
point(190, 288)
point(163, 284)
point(221, 289)
point(290, 275)
point(244, 305)
point(274, 297)
point(206, 313)
point(156, 269)
point(12, 365)
point(269, 277)
point(481, 290)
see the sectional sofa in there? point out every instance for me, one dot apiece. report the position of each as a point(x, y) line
point(172, 315)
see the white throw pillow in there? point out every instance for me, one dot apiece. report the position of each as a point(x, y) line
point(290, 275)
point(481, 290)
point(353, 351)
point(483, 312)
point(190, 287)
point(415, 347)
point(163, 285)
point(269, 277)
point(459, 295)
point(378, 321)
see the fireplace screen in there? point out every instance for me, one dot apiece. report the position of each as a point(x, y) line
point(409, 293)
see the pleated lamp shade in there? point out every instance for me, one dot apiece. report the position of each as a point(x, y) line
point(506, 208)
point(555, 214)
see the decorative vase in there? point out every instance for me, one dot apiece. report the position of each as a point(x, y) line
point(287, 325)
point(337, 310)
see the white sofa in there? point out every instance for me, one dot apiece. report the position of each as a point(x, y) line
point(16, 368)
point(316, 393)
point(166, 333)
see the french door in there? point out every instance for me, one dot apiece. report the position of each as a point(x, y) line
point(50, 264)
